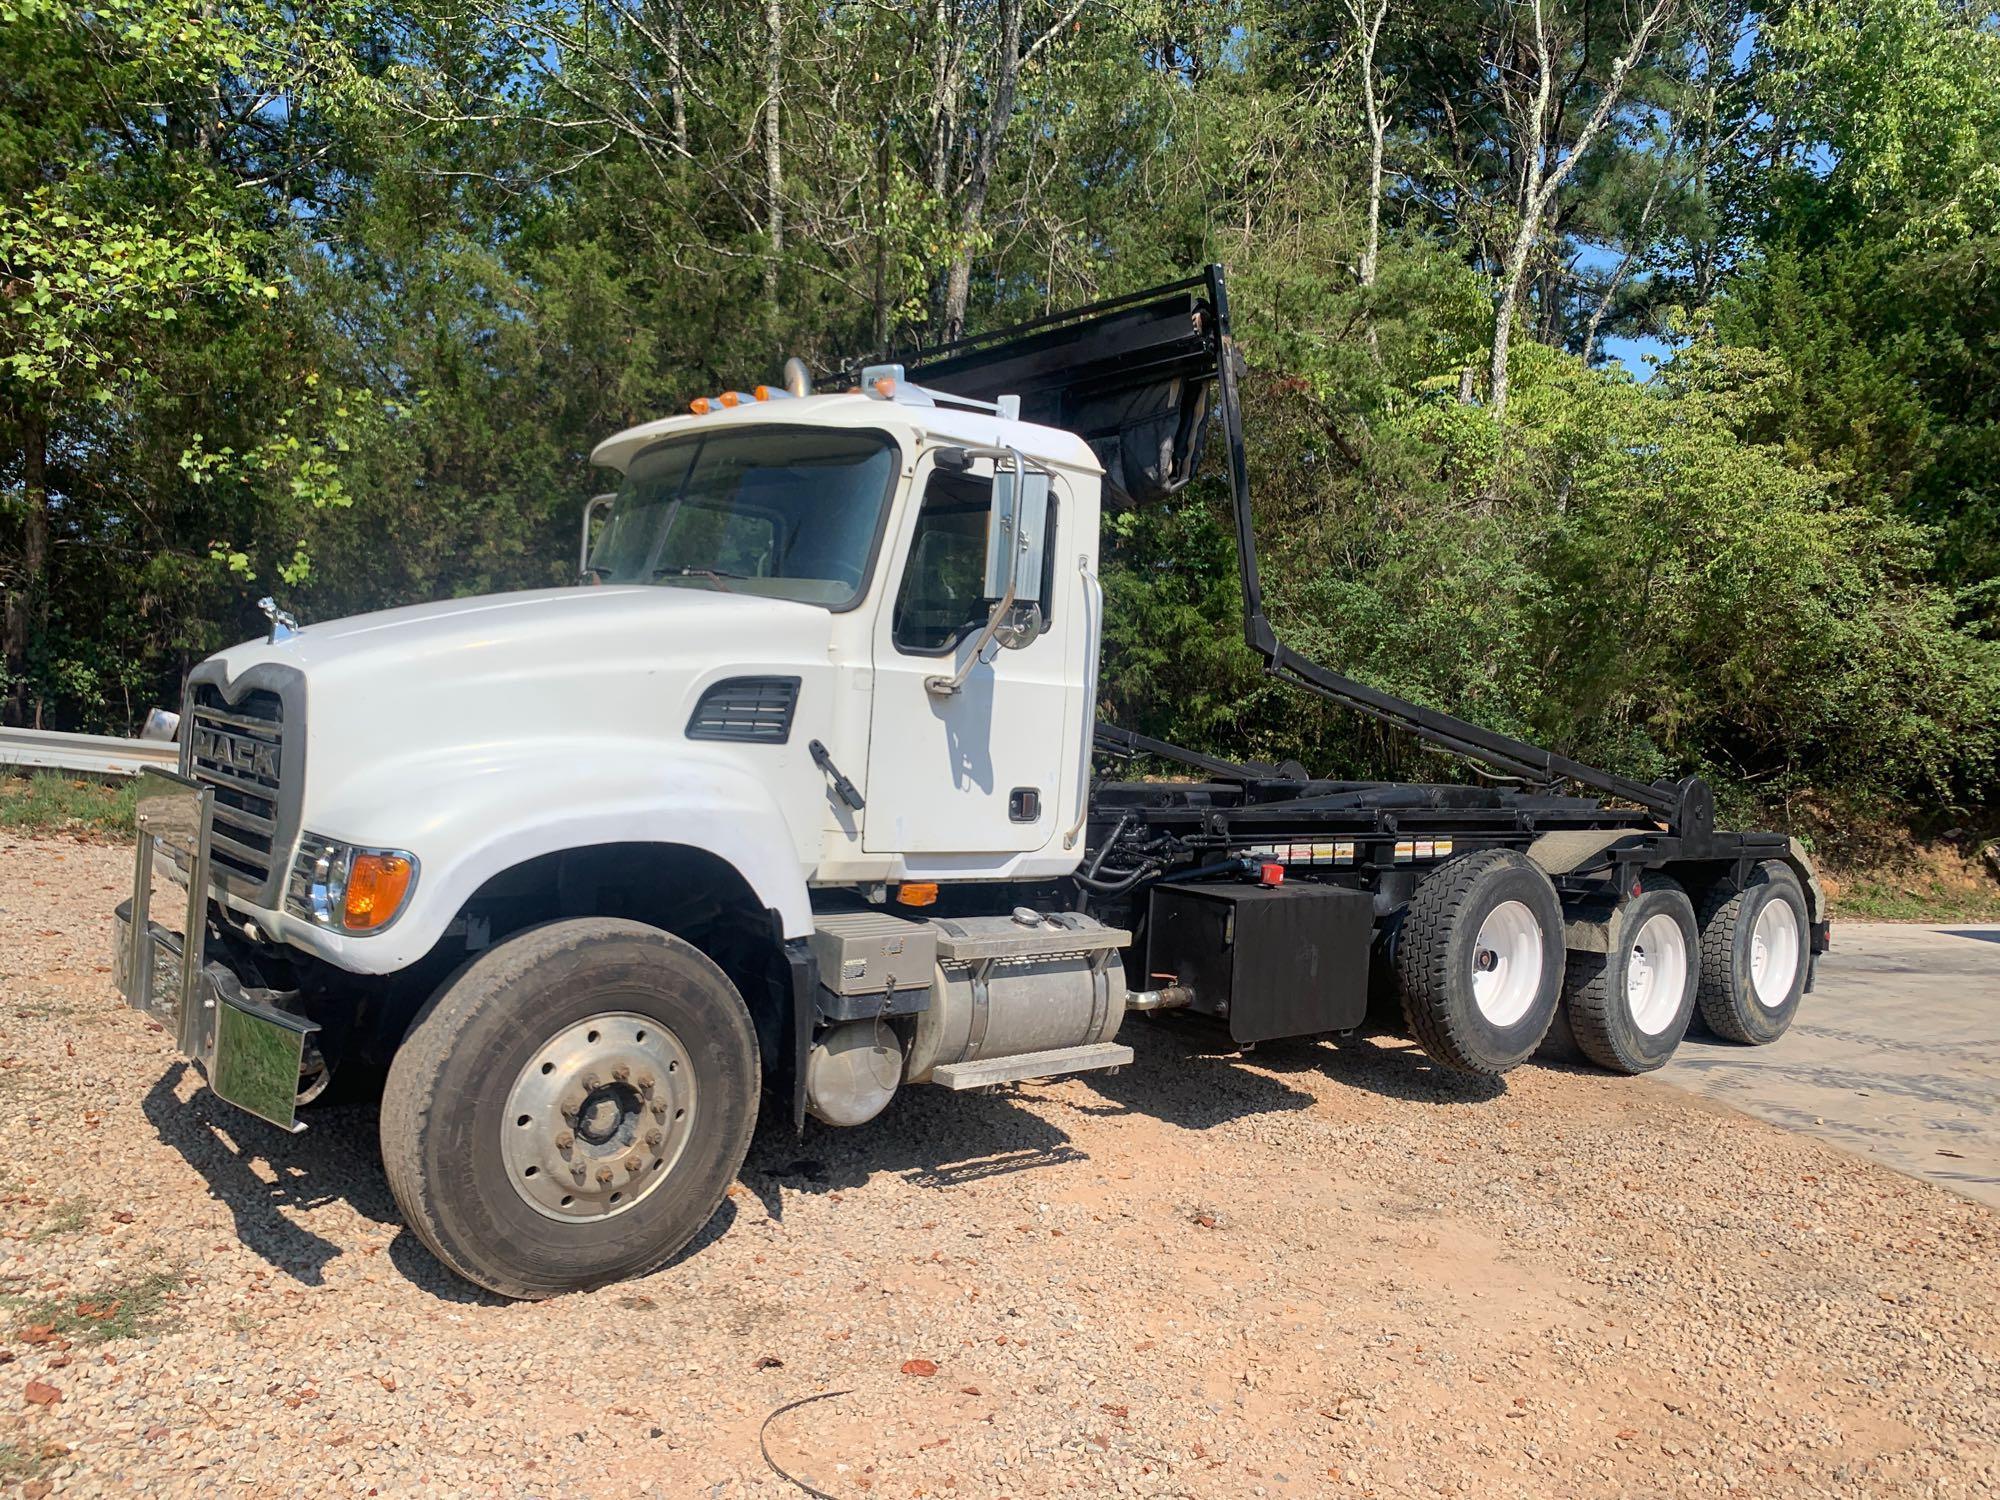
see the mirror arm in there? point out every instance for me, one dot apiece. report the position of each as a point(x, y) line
point(590, 507)
point(944, 687)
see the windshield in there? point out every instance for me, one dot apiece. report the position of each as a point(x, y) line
point(780, 513)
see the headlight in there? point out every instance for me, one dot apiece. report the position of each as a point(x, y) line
point(346, 888)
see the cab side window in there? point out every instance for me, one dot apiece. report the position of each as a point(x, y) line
point(938, 603)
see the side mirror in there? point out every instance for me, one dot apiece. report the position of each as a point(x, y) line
point(1016, 534)
point(590, 509)
point(1016, 537)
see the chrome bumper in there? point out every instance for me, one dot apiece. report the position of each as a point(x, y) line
point(249, 1048)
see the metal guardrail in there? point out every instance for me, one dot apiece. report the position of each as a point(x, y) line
point(104, 754)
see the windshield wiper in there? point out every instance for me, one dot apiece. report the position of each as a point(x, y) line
point(715, 573)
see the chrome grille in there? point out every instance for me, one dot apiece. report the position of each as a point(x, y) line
point(239, 750)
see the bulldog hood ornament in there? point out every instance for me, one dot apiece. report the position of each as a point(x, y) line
point(283, 625)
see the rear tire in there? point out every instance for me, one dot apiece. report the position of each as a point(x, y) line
point(1627, 1010)
point(1754, 957)
point(570, 1109)
point(1479, 961)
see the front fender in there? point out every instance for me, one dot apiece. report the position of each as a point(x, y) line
point(470, 815)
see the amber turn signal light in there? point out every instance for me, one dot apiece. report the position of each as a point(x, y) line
point(376, 886)
point(917, 893)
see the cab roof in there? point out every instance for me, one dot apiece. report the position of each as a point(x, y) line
point(910, 414)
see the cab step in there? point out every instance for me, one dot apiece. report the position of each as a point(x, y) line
point(981, 1072)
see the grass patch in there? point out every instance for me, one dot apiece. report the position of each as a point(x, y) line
point(65, 1217)
point(120, 1310)
point(1878, 867)
point(18, 1464)
point(63, 802)
point(1914, 896)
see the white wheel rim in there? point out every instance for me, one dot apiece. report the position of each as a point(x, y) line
point(1507, 963)
point(1774, 953)
point(1656, 971)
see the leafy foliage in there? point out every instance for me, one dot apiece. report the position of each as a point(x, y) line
point(335, 301)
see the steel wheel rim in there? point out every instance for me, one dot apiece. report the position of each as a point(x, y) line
point(1774, 953)
point(1656, 971)
point(1507, 963)
point(597, 1118)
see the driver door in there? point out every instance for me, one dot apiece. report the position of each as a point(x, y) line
point(976, 772)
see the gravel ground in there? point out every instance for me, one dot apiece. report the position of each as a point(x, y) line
point(1317, 1271)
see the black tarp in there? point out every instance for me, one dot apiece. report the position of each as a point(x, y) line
point(1134, 380)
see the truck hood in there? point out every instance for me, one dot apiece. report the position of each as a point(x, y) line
point(572, 628)
point(474, 683)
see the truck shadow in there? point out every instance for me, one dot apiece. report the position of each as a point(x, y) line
point(1186, 1075)
point(927, 1137)
point(1235, 1082)
point(335, 1159)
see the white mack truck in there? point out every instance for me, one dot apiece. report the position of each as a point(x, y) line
point(796, 804)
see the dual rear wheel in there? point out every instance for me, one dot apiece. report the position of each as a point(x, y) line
point(1479, 961)
point(1628, 1007)
point(1486, 979)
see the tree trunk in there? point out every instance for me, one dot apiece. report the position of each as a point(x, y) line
point(677, 82)
point(1503, 316)
point(1006, 74)
point(1369, 30)
point(1541, 180)
point(879, 339)
point(25, 599)
point(774, 165)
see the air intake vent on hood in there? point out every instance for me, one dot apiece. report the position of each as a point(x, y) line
point(753, 709)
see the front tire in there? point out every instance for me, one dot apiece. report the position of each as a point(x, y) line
point(1754, 957)
point(570, 1110)
point(1479, 961)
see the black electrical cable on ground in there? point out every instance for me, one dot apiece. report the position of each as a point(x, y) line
point(765, 1448)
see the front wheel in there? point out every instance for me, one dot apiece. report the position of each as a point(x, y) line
point(570, 1110)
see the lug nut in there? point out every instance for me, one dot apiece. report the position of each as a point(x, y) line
point(646, 1083)
point(653, 1139)
point(604, 1174)
point(564, 1140)
point(622, 1073)
point(660, 1111)
point(634, 1163)
point(591, 1081)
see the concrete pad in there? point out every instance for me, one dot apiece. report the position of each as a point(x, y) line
point(1895, 1054)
